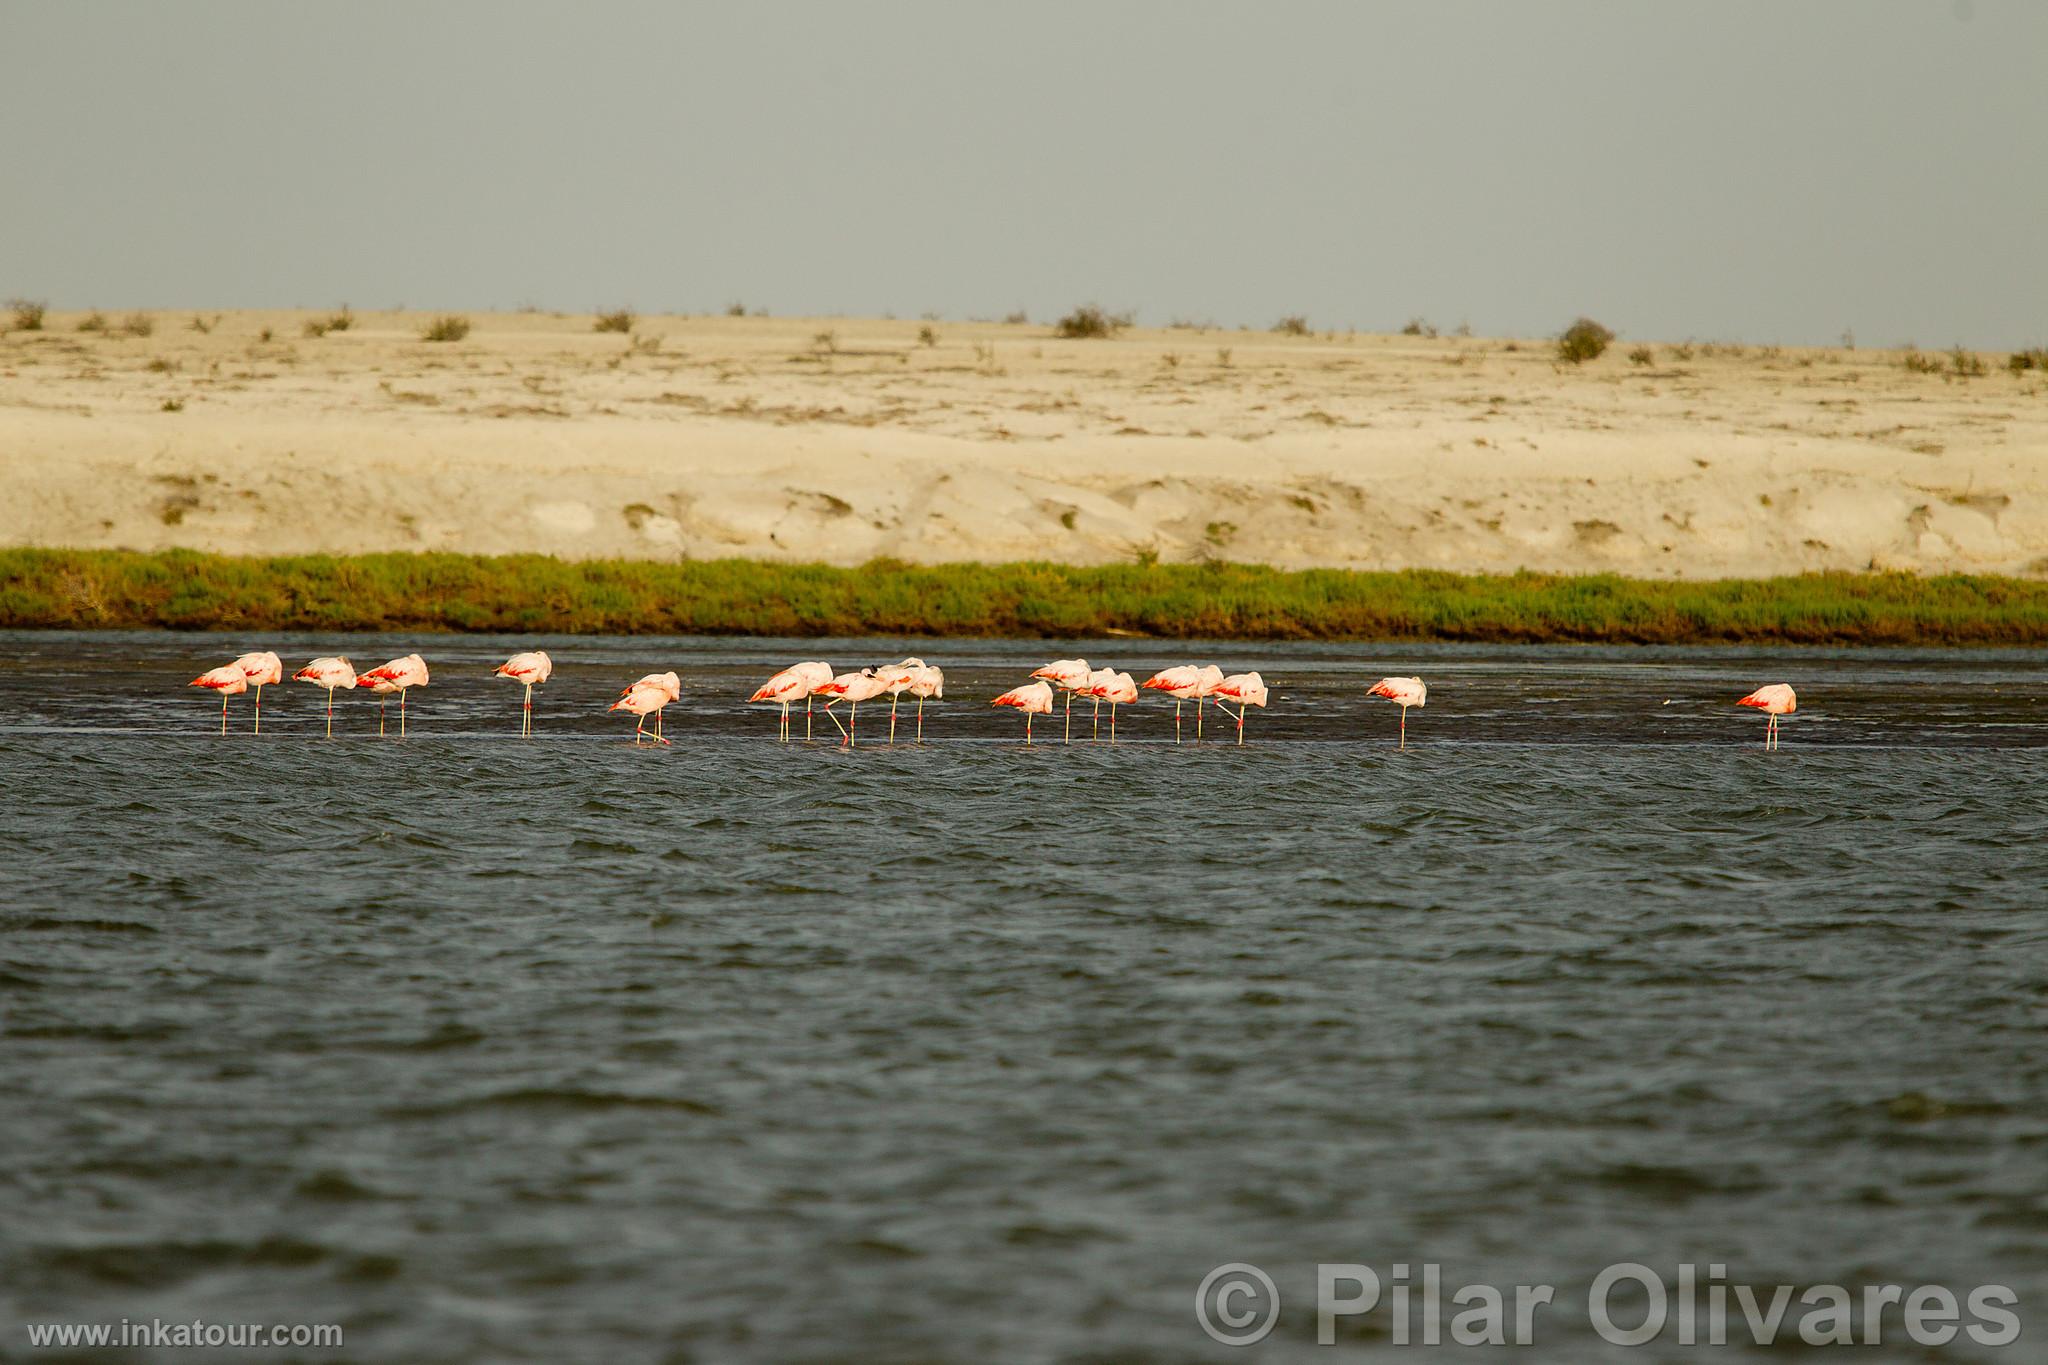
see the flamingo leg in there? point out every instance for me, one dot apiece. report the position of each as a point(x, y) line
point(1404, 727)
point(782, 731)
point(526, 714)
point(401, 712)
point(920, 720)
point(1198, 720)
point(330, 713)
point(223, 713)
point(1112, 722)
point(1096, 733)
point(807, 719)
point(1070, 718)
point(259, 708)
point(383, 704)
point(852, 722)
point(1027, 729)
point(1240, 722)
point(1176, 720)
point(892, 716)
point(833, 716)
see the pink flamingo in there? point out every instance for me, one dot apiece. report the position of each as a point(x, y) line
point(227, 680)
point(647, 697)
point(1099, 679)
point(531, 668)
point(331, 672)
point(1403, 692)
point(854, 688)
point(795, 683)
point(1069, 676)
point(260, 669)
point(1033, 699)
point(1776, 700)
point(1183, 683)
point(400, 676)
point(1117, 689)
point(896, 680)
point(1246, 689)
point(929, 685)
point(1207, 679)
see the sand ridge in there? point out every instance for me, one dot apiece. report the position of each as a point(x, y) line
point(845, 440)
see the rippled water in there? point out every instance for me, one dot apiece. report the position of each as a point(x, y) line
point(568, 1050)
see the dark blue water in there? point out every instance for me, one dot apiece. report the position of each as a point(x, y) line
point(568, 1050)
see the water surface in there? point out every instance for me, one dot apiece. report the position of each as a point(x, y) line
point(565, 1050)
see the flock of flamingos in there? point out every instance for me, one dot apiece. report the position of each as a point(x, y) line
point(806, 682)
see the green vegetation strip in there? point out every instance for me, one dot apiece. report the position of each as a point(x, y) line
point(181, 590)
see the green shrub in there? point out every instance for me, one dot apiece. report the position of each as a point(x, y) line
point(621, 320)
point(28, 314)
point(138, 325)
point(447, 327)
point(95, 321)
point(1293, 325)
point(1642, 355)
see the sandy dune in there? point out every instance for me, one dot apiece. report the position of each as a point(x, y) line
point(845, 440)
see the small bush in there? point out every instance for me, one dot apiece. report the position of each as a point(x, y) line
point(1017, 319)
point(1089, 321)
point(1642, 355)
point(173, 405)
point(2019, 362)
point(1418, 327)
point(927, 336)
point(1584, 340)
point(202, 325)
point(1966, 365)
point(447, 327)
point(265, 335)
point(620, 321)
point(1682, 351)
point(1922, 364)
point(735, 310)
point(1293, 325)
point(138, 324)
point(95, 321)
point(333, 322)
point(28, 314)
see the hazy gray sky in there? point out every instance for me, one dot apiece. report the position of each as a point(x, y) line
point(1762, 171)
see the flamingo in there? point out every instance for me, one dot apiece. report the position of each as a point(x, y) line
point(1207, 679)
point(1069, 676)
point(531, 668)
point(896, 680)
point(400, 675)
point(1403, 692)
point(259, 669)
point(929, 685)
point(1778, 699)
point(1182, 682)
point(797, 682)
point(1098, 680)
point(1246, 689)
point(330, 673)
point(227, 680)
point(854, 688)
point(647, 697)
point(1033, 699)
point(1116, 689)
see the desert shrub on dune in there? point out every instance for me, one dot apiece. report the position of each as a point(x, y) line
point(447, 327)
point(1090, 321)
point(619, 320)
point(1584, 340)
point(138, 325)
point(2034, 358)
point(1293, 325)
point(28, 314)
